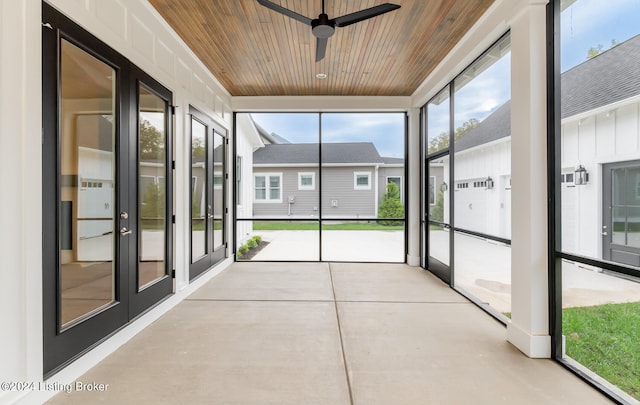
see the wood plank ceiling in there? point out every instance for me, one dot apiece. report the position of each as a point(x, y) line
point(254, 51)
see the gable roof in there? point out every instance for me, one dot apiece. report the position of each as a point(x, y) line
point(299, 153)
point(611, 76)
point(494, 127)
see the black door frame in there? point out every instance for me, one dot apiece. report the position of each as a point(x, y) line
point(213, 254)
point(607, 213)
point(61, 345)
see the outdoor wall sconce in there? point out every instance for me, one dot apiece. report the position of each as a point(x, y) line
point(444, 186)
point(489, 182)
point(581, 176)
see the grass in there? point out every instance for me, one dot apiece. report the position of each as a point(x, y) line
point(313, 226)
point(606, 339)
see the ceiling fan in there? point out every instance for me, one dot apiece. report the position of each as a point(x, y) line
point(323, 27)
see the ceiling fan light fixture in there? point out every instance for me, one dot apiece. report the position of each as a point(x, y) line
point(321, 76)
point(324, 27)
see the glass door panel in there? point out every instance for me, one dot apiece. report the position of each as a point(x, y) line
point(152, 193)
point(208, 181)
point(198, 190)
point(87, 196)
point(438, 238)
point(218, 190)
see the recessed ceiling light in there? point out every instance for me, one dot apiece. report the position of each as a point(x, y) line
point(321, 76)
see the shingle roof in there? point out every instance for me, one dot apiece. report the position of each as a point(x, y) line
point(495, 126)
point(611, 76)
point(291, 153)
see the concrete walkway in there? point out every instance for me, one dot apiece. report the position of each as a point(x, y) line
point(483, 267)
point(330, 334)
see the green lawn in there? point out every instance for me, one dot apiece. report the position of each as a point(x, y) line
point(313, 226)
point(606, 339)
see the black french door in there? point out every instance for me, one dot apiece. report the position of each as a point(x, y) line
point(107, 187)
point(208, 244)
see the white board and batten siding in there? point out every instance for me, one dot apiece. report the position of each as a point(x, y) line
point(592, 139)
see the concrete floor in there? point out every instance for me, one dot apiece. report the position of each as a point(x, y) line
point(327, 333)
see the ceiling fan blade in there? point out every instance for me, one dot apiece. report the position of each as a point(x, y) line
point(364, 14)
point(285, 11)
point(321, 48)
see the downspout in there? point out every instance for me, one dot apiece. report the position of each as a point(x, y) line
point(375, 192)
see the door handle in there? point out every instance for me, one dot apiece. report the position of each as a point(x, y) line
point(604, 234)
point(210, 216)
point(124, 231)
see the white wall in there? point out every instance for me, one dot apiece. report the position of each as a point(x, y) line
point(591, 139)
point(134, 29)
point(494, 160)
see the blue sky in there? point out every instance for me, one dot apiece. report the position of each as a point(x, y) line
point(385, 130)
point(589, 23)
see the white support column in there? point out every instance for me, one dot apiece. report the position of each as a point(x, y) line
point(529, 327)
point(413, 194)
point(21, 202)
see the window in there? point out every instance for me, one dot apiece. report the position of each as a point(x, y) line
point(306, 181)
point(268, 187)
point(361, 180)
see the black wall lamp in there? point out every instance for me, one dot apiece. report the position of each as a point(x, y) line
point(581, 176)
point(489, 183)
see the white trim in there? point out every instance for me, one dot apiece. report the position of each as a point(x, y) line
point(307, 187)
point(355, 181)
point(267, 188)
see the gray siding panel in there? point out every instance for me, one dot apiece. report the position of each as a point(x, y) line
point(338, 184)
point(305, 204)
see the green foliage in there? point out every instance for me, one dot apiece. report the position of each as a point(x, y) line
point(598, 49)
point(251, 243)
point(243, 249)
point(606, 339)
point(437, 211)
point(153, 205)
point(391, 206)
point(151, 142)
point(442, 141)
point(257, 239)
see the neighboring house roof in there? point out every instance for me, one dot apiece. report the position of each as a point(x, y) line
point(392, 161)
point(299, 153)
point(611, 76)
point(495, 126)
point(269, 138)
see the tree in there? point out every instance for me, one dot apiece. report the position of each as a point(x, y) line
point(391, 206)
point(151, 142)
point(153, 202)
point(442, 141)
point(598, 49)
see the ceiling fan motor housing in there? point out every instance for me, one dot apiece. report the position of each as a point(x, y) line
point(323, 27)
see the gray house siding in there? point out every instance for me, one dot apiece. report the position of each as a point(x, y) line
point(305, 202)
point(338, 186)
point(386, 172)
